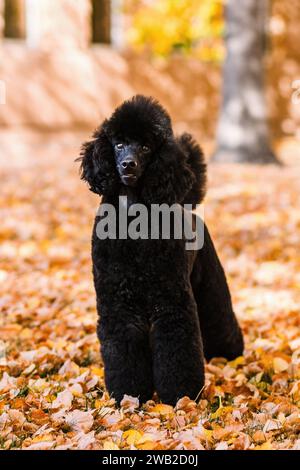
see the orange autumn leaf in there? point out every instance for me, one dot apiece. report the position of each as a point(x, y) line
point(42, 438)
point(163, 410)
point(131, 436)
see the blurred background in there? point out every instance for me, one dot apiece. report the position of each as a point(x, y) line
point(66, 64)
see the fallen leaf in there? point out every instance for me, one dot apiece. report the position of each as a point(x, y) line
point(110, 445)
point(80, 420)
point(280, 364)
point(85, 441)
point(130, 403)
point(163, 410)
point(63, 400)
point(131, 436)
point(266, 446)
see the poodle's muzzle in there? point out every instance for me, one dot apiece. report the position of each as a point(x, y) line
point(129, 170)
point(129, 164)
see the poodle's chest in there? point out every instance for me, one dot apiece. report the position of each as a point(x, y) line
point(138, 273)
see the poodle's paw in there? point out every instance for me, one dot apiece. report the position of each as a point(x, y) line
point(230, 348)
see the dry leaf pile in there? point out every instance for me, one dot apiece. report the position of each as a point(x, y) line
point(51, 377)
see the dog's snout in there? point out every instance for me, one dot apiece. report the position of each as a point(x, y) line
point(129, 164)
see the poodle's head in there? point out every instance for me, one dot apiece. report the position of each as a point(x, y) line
point(136, 147)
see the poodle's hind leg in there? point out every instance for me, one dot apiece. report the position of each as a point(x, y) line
point(222, 336)
point(178, 363)
point(127, 358)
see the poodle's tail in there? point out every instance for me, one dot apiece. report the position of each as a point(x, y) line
point(196, 161)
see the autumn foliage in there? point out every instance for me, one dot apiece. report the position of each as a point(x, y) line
point(167, 26)
point(52, 392)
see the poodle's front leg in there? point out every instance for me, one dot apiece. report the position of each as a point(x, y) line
point(127, 359)
point(178, 364)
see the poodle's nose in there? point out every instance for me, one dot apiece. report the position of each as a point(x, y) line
point(128, 164)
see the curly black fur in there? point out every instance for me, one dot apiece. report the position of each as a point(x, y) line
point(159, 305)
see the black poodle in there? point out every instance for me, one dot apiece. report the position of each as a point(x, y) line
point(161, 308)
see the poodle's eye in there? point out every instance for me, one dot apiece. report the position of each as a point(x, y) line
point(119, 146)
point(145, 149)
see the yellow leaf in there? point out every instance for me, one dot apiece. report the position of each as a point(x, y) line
point(223, 410)
point(163, 410)
point(110, 445)
point(97, 371)
point(280, 364)
point(131, 436)
point(208, 434)
point(98, 403)
point(43, 438)
point(237, 362)
point(265, 446)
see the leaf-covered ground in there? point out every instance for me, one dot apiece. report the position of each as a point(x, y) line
point(51, 377)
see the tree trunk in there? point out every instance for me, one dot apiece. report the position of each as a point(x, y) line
point(242, 134)
point(14, 19)
point(101, 21)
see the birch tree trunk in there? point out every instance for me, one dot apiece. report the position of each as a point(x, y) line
point(242, 134)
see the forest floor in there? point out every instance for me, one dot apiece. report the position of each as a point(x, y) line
point(51, 377)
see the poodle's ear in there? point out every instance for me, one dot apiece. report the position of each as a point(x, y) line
point(168, 179)
point(98, 167)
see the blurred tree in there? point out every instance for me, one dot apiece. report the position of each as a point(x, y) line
point(101, 21)
point(242, 134)
point(14, 19)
